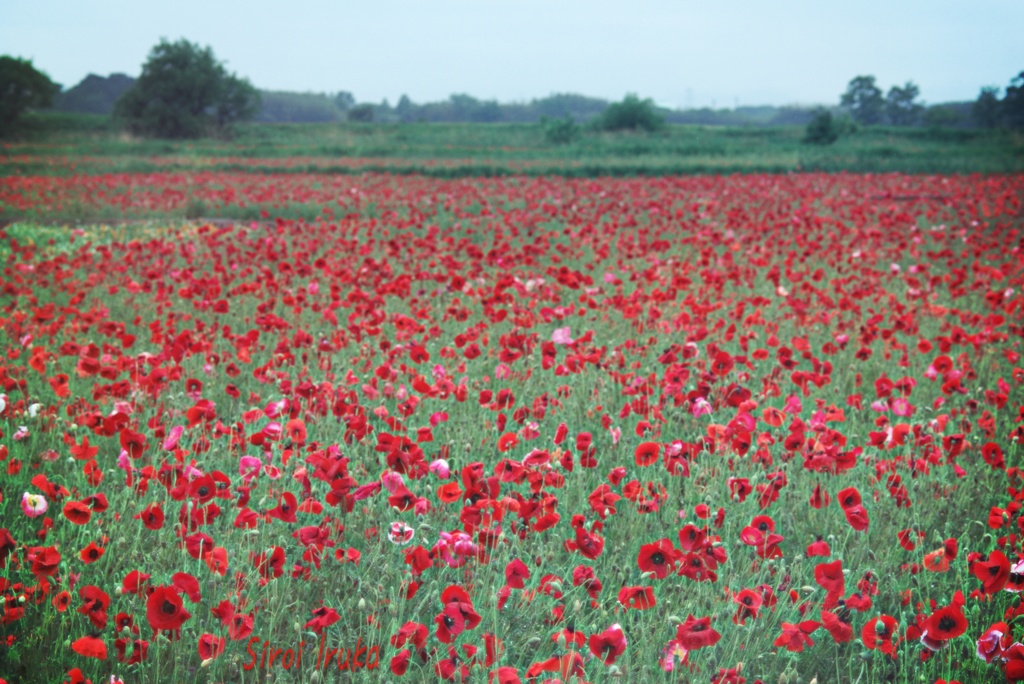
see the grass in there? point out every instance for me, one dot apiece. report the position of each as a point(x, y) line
point(61, 144)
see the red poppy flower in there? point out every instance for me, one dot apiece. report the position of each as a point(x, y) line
point(138, 652)
point(507, 442)
point(135, 582)
point(589, 544)
point(77, 512)
point(323, 617)
point(90, 647)
point(659, 558)
point(647, 453)
point(760, 534)
point(838, 625)
point(944, 624)
point(795, 637)
point(696, 633)
point(287, 506)
point(849, 498)
point(152, 516)
point(993, 572)
point(993, 642)
point(400, 662)
point(880, 633)
point(45, 561)
point(608, 645)
point(211, 646)
point(61, 601)
point(857, 516)
point(637, 598)
point(95, 602)
point(165, 610)
point(818, 548)
point(749, 604)
point(829, 577)
point(295, 429)
point(516, 573)
point(187, 585)
point(91, 553)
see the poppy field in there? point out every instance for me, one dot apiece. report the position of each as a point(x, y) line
point(746, 428)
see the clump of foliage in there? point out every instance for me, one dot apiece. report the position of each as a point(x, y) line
point(632, 114)
point(823, 129)
point(864, 101)
point(22, 86)
point(361, 113)
point(184, 92)
point(562, 131)
point(901, 106)
point(1013, 103)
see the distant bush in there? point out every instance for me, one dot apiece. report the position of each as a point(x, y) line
point(941, 117)
point(560, 131)
point(1013, 103)
point(22, 87)
point(287, 107)
point(823, 129)
point(94, 94)
point(361, 113)
point(632, 114)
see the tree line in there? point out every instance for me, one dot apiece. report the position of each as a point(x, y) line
point(184, 91)
point(900, 106)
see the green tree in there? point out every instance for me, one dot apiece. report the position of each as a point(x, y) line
point(560, 131)
point(344, 100)
point(631, 114)
point(1013, 103)
point(864, 100)
point(900, 105)
point(822, 129)
point(405, 109)
point(985, 110)
point(22, 86)
point(184, 92)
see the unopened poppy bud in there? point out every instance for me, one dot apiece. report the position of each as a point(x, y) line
point(614, 671)
point(534, 642)
point(362, 604)
point(880, 628)
point(206, 663)
point(315, 677)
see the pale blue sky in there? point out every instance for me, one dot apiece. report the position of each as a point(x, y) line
point(679, 52)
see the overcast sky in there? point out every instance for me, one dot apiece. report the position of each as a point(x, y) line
point(679, 52)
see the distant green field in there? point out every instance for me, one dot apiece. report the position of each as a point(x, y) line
point(55, 144)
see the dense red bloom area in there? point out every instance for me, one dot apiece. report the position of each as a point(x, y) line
point(447, 415)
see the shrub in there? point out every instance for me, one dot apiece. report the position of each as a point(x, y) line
point(560, 131)
point(361, 113)
point(632, 114)
point(823, 129)
point(22, 86)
